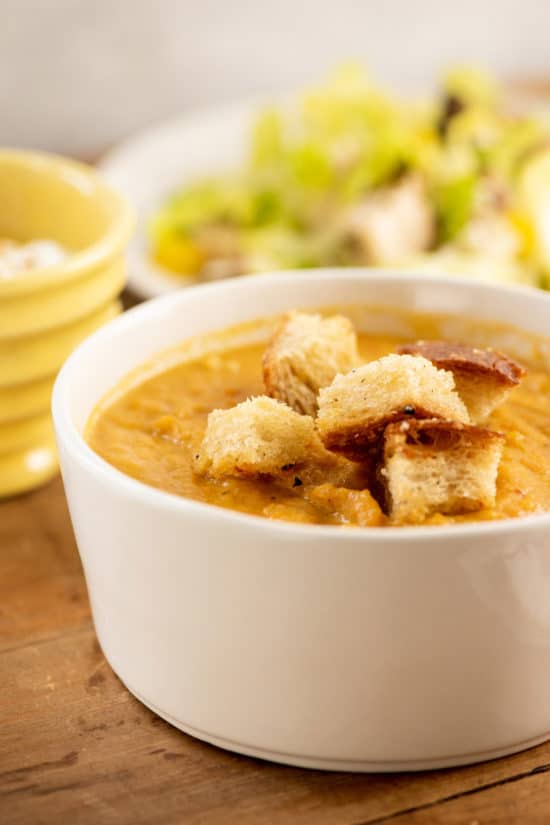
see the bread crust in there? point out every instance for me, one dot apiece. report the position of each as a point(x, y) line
point(304, 355)
point(460, 357)
point(281, 383)
point(362, 443)
point(437, 434)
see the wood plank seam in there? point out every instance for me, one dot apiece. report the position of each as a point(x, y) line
point(444, 799)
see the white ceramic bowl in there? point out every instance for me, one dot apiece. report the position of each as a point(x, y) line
point(351, 649)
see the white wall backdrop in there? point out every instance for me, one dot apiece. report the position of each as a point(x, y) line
point(76, 75)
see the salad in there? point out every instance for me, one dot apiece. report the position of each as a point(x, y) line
point(347, 174)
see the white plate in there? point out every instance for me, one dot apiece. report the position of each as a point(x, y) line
point(154, 163)
point(148, 167)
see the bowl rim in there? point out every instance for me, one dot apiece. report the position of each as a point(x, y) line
point(113, 240)
point(75, 445)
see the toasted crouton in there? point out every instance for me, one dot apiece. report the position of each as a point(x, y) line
point(439, 467)
point(355, 408)
point(305, 354)
point(483, 377)
point(260, 436)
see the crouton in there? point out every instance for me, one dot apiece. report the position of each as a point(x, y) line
point(305, 354)
point(435, 466)
point(355, 408)
point(260, 436)
point(483, 377)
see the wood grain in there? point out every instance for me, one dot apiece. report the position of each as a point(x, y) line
point(77, 748)
point(42, 591)
point(524, 800)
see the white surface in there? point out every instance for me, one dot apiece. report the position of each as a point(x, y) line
point(396, 647)
point(78, 76)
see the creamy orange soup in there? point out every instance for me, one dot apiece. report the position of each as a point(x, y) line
point(151, 426)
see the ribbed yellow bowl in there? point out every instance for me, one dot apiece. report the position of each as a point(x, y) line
point(34, 357)
point(25, 400)
point(45, 313)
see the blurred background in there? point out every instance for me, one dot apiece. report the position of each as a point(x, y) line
point(78, 75)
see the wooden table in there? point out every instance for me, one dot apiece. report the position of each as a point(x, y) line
point(77, 749)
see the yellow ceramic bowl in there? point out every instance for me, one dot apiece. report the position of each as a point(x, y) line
point(17, 435)
point(26, 469)
point(31, 358)
point(45, 313)
point(25, 400)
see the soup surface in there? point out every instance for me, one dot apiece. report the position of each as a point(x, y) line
point(150, 429)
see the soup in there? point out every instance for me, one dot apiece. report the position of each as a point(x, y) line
point(152, 425)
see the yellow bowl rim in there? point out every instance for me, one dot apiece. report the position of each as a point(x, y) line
point(93, 256)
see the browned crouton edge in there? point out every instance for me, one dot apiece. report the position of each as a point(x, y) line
point(469, 359)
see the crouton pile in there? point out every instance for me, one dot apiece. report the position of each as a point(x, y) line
point(413, 419)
